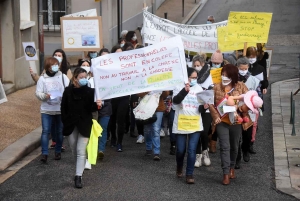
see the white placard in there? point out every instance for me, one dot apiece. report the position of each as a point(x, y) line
point(30, 51)
point(194, 37)
point(86, 13)
point(156, 67)
point(228, 109)
point(81, 33)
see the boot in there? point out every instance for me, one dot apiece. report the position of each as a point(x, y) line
point(226, 179)
point(179, 172)
point(57, 156)
point(78, 183)
point(44, 158)
point(232, 174)
point(190, 179)
point(173, 148)
point(246, 156)
point(213, 146)
point(251, 150)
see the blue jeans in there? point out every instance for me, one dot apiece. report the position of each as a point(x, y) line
point(170, 125)
point(152, 134)
point(181, 139)
point(46, 129)
point(103, 121)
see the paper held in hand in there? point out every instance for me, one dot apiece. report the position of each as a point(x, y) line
point(207, 96)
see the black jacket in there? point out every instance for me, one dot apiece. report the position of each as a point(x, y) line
point(76, 110)
point(106, 109)
point(256, 69)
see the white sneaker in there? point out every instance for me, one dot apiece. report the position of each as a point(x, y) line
point(168, 132)
point(198, 162)
point(206, 159)
point(162, 133)
point(140, 139)
point(88, 166)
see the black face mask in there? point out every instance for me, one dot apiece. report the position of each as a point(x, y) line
point(50, 74)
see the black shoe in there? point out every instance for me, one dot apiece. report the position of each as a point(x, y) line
point(246, 156)
point(237, 165)
point(78, 183)
point(172, 150)
point(132, 134)
point(156, 157)
point(148, 153)
point(119, 148)
point(251, 150)
point(57, 156)
point(44, 158)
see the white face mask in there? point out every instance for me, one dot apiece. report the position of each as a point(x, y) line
point(225, 80)
point(243, 72)
point(122, 44)
point(252, 60)
point(88, 69)
point(198, 68)
point(134, 38)
point(58, 58)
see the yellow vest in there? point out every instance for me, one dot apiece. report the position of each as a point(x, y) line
point(92, 147)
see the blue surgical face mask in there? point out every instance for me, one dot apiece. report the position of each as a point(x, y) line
point(82, 82)
point(58, 58)
point(216, 66)
point(208, 22)
point(54, 68)
point(193, 82)
point(93, 55)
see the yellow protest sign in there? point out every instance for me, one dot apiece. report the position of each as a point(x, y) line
point(225, 46)
point(188, 123)
point(216, 75)
point(248, 27)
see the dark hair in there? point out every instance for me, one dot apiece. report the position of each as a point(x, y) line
point(103, 50)
point(115, 48)
point(190, 71)
point(49, 62)
point(251, 51)
point(127, 46)
point(81, 61)
point(77, 71)
point(232, 73)
point(138, 46)
point(121, 39)
point(64, 65)
point(129, 36)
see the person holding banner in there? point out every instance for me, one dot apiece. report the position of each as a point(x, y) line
point(228, 133)
point(49, 90)
point(187, 124)
point(76, 110)
point(205, 80)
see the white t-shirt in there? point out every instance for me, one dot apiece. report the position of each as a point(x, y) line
point(187, 118)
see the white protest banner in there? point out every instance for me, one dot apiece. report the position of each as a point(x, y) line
point(194, 37)
point(156, 67)
point(30, 51)
point(86, 13)
point(81, 33)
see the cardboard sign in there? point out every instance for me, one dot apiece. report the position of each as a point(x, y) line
point(216, 75)
point(30, 51)
point(156, 67)
point(81, 34)
point(188, 123)
point(248, 27)
point(226, 46)
point(194, 37)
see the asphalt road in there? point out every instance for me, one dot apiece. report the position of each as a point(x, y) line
point(132, 176)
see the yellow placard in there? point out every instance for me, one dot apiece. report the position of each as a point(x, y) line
point(160, 77)
point(188, 123)
point(225, 46)
point(216, 75)
point(248, 27)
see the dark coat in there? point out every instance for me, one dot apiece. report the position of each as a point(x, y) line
point(76, 110)
point(256, 69)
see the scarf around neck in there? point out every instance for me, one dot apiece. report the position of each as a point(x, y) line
point(203, 74)
point(50, 74)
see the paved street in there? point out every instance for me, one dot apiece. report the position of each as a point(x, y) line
point(132, 176)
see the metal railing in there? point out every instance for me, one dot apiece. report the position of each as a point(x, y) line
point(292, 119)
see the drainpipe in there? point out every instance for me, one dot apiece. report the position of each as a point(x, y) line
point(119, 14)
point(41, 35)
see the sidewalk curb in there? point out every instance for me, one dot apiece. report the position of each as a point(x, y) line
point(194, 11)
point(20, 148)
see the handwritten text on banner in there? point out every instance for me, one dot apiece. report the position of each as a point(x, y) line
point(248, 27)
point(216, 75)
point(194, 37)
point(156, 67)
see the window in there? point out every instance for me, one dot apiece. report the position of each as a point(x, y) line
point(53, 10)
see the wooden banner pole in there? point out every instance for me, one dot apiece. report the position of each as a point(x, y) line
point(245, 49)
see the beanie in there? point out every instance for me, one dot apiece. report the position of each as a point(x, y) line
point(217, 57)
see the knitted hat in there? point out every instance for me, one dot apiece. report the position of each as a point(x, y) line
point(217, 57)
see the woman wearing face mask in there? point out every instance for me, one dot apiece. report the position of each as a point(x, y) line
point(186, 109)
point(49, 90)
point(76, 108)
point(216, 60)
point(204, 76)
point(257, 71)
point(228, 133)
point(92, 55)
point(252, 83)
point(122, 42)
point(131, 37)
